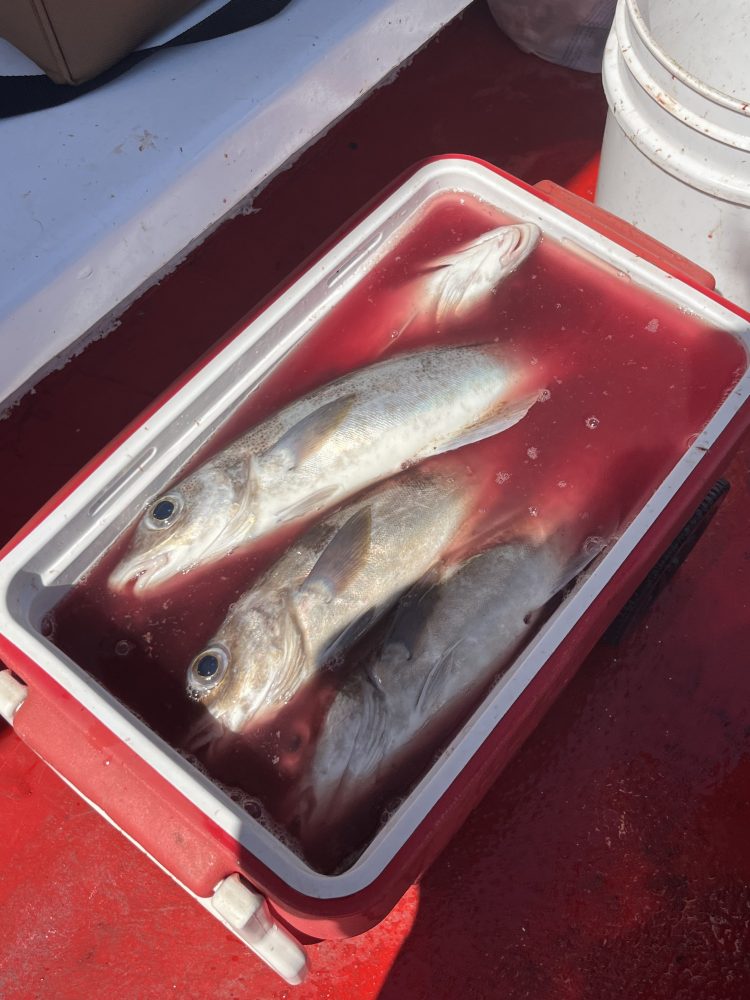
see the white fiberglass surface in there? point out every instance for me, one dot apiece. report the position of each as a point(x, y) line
point(62, 547)
point(101, 194)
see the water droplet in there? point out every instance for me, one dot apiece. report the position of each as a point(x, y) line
point(253, 807)
point(544, 395)
point(562, 483)
point(534, 511)
point(532, 452)
point(123, 647)
point(592, 423)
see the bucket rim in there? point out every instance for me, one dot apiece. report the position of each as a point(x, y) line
point(703, 89)
point(621, 55)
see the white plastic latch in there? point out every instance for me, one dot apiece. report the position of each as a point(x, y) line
point(248, 916)
point(12, 695)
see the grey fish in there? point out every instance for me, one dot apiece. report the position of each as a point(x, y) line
point(442, 649)
point(325, 592)
point(322, 449)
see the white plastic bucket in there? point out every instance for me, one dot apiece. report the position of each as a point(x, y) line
point(676, 152)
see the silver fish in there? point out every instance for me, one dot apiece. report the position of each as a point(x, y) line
point(444, 646)
point(323, 448)
point(323, 594)
point(460, 281)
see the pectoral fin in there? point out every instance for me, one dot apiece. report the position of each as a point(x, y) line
point(430, 693)
point(410, 619)
point(348, 636)
point(344, 556)
point(310, 433)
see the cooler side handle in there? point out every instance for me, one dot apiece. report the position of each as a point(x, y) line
point(248, 915)
point(244, 911)
point(619, 231)
point(12, 695)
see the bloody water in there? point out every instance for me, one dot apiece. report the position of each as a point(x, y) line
point(625, 381)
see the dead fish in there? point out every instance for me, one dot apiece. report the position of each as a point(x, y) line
point(460, 281)
point(323, 594)
point(444, 646)
point(322, 449)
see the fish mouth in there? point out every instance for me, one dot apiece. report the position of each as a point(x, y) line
point(143, 571)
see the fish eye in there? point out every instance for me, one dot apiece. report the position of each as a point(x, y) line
point(207, 670)
point(164, 511)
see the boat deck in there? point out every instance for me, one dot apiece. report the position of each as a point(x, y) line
point(611, 860)
point(105, 193)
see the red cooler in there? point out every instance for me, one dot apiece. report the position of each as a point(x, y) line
point(642, 379)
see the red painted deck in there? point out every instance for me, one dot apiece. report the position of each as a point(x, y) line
point(611, 861)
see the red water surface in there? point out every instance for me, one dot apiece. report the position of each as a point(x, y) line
point(624, 380)
point(611, 859)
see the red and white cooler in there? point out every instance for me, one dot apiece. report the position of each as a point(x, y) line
point(646, 382)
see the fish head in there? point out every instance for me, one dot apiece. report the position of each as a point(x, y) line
point(181, 528)
point(252, 666)
point(497, 253)
point(513, 243)
point(461, 280)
